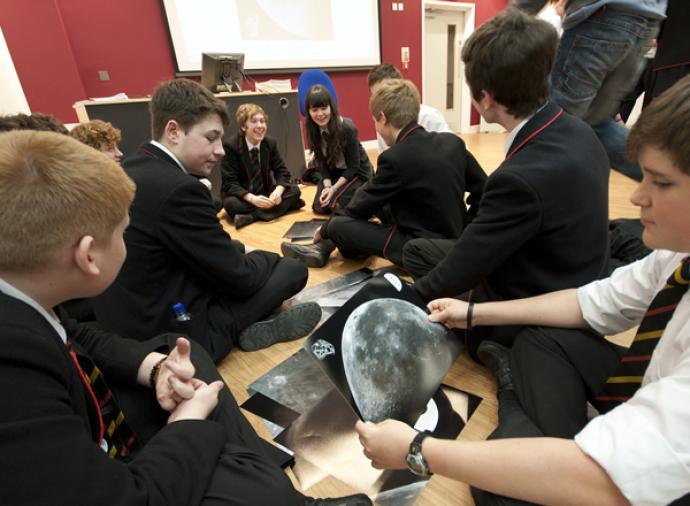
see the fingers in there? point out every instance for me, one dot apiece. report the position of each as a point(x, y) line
point(184, 370)
point(183, 389)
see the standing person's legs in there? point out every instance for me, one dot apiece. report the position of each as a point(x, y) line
point(421, 255)
point(598, 61)
point(355, 238)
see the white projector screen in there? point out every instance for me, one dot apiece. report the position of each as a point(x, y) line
point(276, 34)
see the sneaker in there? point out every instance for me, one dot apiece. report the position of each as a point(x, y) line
point(293, 323)
point(242, 220)
point(350, 500)
point(496, 358)
point(311, 254)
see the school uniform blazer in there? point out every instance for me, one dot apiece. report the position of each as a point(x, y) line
point(177, 251)
point(423, 177)
point(542, 223)
point(356, 160)
point(49, 431)
point(236, 167)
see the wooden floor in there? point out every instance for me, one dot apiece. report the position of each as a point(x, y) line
point(240, 368)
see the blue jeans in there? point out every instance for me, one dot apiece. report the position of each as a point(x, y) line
point(598, 62)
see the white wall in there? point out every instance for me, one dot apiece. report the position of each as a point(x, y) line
point(12, 99)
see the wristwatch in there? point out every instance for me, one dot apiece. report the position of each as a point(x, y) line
point(414, 459)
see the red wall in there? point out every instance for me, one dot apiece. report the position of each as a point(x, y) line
point(58, 47)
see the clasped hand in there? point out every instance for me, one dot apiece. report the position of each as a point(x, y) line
point(179, 392)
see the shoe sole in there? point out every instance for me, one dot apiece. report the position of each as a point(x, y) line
point(293, 323)
point(311, 261)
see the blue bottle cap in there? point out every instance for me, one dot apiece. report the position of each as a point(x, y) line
point(179, 308)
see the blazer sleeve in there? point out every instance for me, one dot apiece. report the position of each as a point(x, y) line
point(351, 150)
point(230, 170)
point(509, 216)
point(188, 226)
point(281, 173)
point(49, 455)
point(375, 193)
point(475, 180)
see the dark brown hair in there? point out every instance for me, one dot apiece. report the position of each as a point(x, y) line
point(665, 125)
point(184, 101)
point(318, 96)
point(511, 57)
point(381, 72)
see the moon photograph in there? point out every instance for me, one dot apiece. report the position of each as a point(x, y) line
point(394, 358)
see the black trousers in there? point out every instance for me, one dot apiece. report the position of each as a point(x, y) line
point(555, 371)
point(356, 238)
point(421, 255)
point(342, 196)
point(234, 205)
point(244, 474)
point(227, 317)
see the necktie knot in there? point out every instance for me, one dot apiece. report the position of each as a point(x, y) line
point(254, 154)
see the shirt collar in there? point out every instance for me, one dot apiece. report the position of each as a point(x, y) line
point(251, 146)
point(515, 131)
point(170, 154)
point(52, 318)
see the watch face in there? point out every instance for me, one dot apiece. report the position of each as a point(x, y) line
point(415, 463)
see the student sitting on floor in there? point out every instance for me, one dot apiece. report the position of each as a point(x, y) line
point(90, 417)
point(256, 183)
point(341, 161)
point(179, 252)
point(638, 452)
point(100, 135)
point(418, 189)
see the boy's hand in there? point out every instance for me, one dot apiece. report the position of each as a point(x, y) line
point(173, 382)
point(204, 399)
point(386, 444)
point(276, 195)
point(451, 312)
point(262, 202)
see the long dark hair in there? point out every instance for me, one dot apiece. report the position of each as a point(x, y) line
point(318, 96)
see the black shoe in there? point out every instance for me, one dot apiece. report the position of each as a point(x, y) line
point(350, 500)
point(242, 220)
point(300, 204)
point(497, 358)
point(314, 255)
point(293, 323)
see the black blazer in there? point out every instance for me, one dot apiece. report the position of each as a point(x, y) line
point(356, 160)
point(423, 177)
point(177, 251)
point(542, 223)
point(236, 167)
point(48, 432)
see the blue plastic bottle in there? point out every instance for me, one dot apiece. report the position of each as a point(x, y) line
point(181, 314)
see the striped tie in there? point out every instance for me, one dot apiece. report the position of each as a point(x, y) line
point(113, 429)
point(621, 387)
point(256, 184)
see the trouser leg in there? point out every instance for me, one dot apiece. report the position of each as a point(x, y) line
point(355, 237)
point(289, 276)
point(421, 255)
point(555, 372)
point(233, 206)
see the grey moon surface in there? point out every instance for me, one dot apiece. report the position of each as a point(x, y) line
point(393, 356)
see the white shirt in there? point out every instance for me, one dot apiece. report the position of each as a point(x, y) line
point(513, 133)
point(52, 318)
point(431, 119)
point(170, 154)
point(644, 444)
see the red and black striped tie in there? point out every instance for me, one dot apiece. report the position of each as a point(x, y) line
point(113, 429)
point(623, 385)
